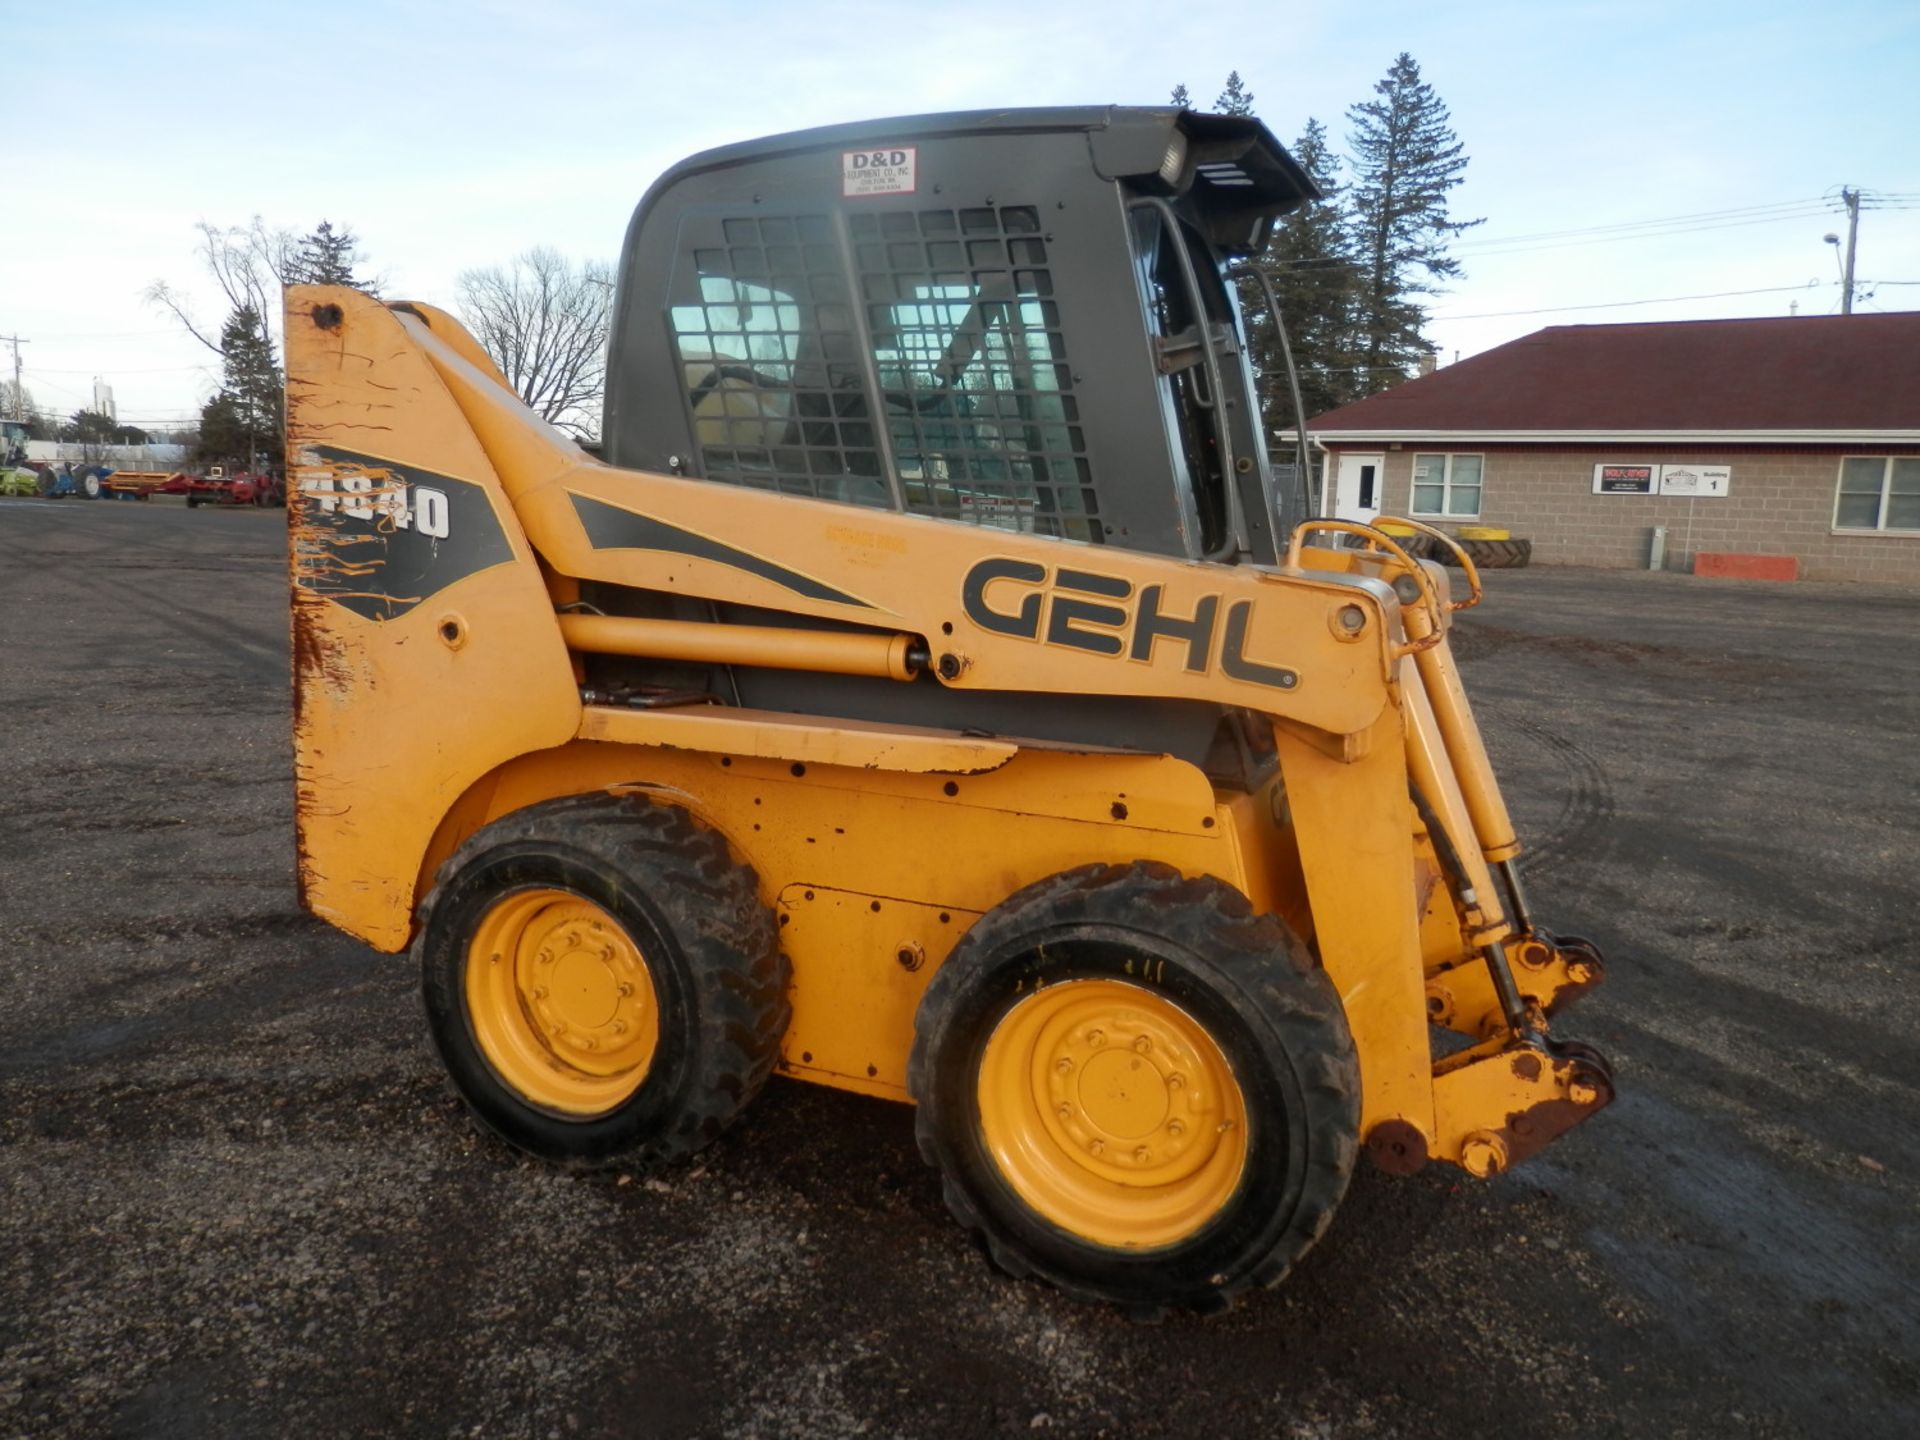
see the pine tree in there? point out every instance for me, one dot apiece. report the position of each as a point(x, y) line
point(1181, 98)
point(1235, 99)
point(325, 256)
point(1309, 263)
point(245, 421)
point(1406, 159)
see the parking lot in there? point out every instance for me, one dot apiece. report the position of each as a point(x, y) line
point(239, 1199)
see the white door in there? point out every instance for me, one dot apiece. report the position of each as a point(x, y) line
point(1357, 487)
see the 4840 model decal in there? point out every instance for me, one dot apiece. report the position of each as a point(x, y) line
point(379, 537)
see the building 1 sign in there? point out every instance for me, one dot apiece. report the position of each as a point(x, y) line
point(1691, 480)
point(1695, 480)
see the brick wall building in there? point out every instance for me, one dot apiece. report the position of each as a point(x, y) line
point(1795, 437)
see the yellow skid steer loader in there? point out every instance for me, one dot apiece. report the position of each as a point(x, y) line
point(934, 692)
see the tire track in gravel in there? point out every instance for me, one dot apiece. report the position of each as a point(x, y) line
point(1587, 809)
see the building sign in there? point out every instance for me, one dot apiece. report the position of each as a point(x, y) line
point(1697, 481)
point(1625, 479)
point(1691, 480)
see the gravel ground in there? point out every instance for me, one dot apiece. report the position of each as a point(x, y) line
point(238, 1198)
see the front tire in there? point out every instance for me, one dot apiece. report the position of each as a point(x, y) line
point(602, 981)
point(1137, 1088)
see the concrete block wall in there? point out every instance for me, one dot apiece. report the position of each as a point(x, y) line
point(1779, 502)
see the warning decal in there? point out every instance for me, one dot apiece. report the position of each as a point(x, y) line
point(887, 171)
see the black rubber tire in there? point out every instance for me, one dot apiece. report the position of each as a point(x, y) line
point(1495, 554)
point(712, 949)
point(1261, 996)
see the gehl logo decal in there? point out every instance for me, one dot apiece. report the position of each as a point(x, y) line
point(1029, 604)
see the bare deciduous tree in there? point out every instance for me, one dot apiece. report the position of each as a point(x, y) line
point(249, 263)
point(544, 322)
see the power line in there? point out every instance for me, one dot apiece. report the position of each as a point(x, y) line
point(1496, 247)
point(1623, 304)
point(114, 334)
point(1512, 245)
point(1693, 217)
point(1656, 227)
point(123, 370)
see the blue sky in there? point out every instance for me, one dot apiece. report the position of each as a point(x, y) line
point(449, 135)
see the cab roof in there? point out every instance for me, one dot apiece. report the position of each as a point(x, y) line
point(1232, 163)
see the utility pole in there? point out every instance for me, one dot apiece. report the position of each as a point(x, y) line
point(19, 395)
point(1852, 199)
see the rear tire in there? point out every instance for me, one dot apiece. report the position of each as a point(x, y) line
point(667, 994)
point(1497, 554)
point(1060, 1058)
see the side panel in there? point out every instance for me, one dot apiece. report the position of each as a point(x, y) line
point(425, 649)
point(865, 865)
point(1354, 826)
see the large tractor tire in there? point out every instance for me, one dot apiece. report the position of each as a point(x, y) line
point(1137, 1088)
point(602, 980)
point(1495, 554)
point(86, 485)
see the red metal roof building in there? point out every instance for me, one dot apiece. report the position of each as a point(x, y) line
point(1792, 437)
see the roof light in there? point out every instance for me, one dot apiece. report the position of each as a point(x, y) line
point(1175, 160)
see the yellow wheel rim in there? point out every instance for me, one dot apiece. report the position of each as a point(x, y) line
point(1112, 1113)
point(561, 1001)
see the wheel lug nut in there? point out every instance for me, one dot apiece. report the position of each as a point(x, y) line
point(1176, 1080)
point(573, 937)
point(1066, 1112)
point(587, 1042)
point(539, 992)
point(1096, 1146)
point(1174, 1127)
point(606, 952)
point(625, 988)
point(1094, 1037)
point(619, 1027)
point(546, 957)
point(1225, 1125)
point(1063, 1065)
point(1143, 1045)
point(1141, 1154)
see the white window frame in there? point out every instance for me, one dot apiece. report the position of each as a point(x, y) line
point(1446, 484)
point(1886, 483)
